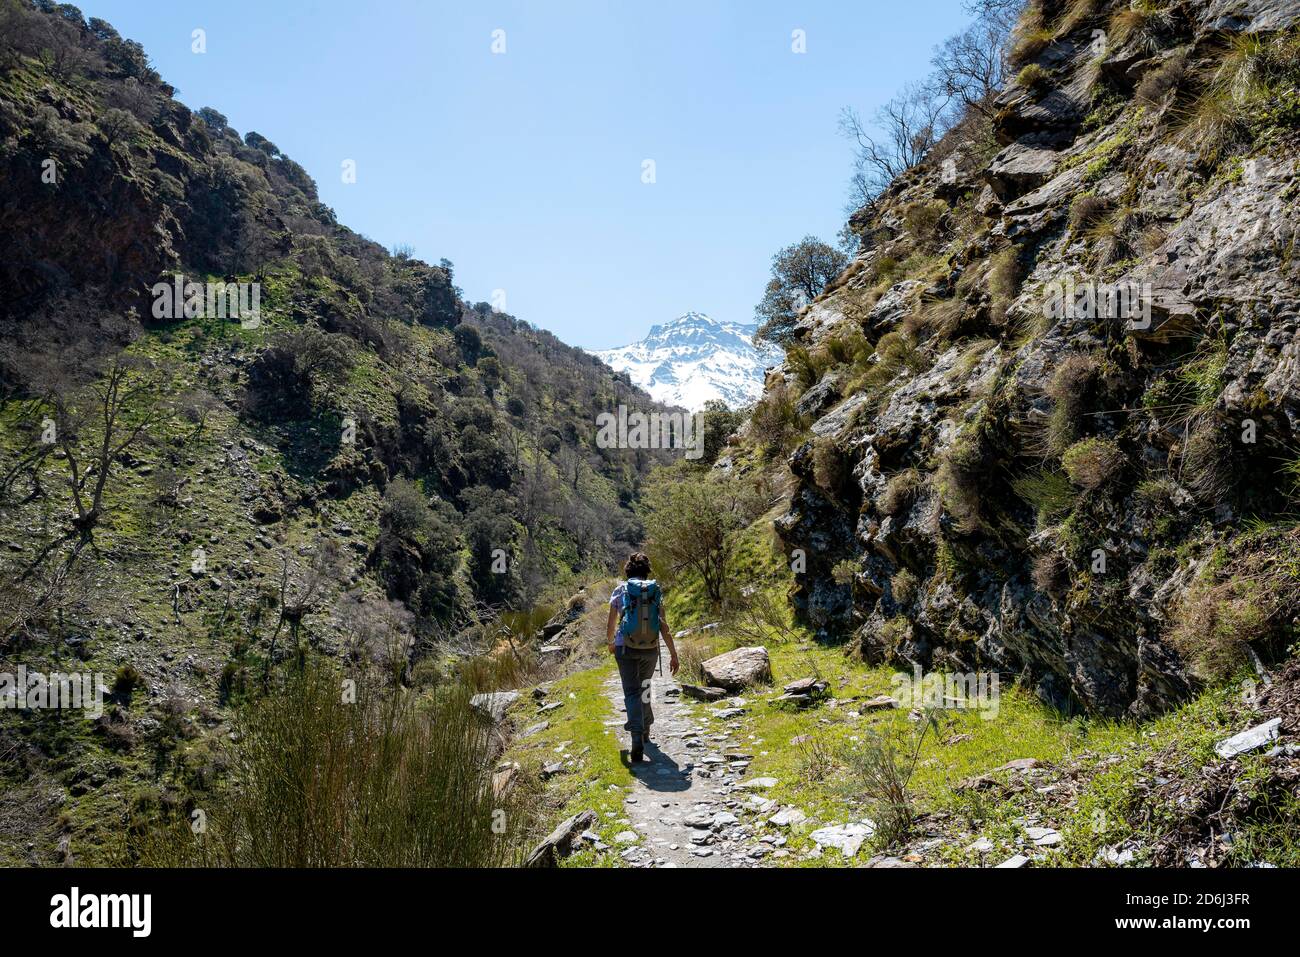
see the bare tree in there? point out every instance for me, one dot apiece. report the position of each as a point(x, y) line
point(902, 132)
point(971, 66)
point(301, 589)
point(92, 424)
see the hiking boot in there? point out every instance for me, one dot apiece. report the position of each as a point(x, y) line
point(637, 752)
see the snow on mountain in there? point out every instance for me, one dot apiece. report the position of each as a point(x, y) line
point(695, 358)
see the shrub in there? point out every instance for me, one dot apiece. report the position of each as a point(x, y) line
point(899, 492)
point(1070, 390)
point(1213, 626)
point(388, 781)
point(1087, 210)
point(905, 586)
point(1092, 463)
point(832, 470)
point(775, 420)
point(1034, 79)
point(1156, 84)
point(1051, 573)
point(127, 681)
point(882, 765)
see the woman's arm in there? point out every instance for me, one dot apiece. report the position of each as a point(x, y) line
point(609, 629)
point(668, 639)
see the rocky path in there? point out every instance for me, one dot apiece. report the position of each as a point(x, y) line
point(690, 804)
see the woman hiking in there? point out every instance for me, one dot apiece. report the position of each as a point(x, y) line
point(636, 622)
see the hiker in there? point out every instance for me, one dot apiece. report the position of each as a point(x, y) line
point(636, 620)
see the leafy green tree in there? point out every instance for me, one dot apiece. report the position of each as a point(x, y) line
point(693, 521)
point(720, 421)
point(799, 274)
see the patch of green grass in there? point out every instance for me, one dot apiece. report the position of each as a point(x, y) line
point(600, 780)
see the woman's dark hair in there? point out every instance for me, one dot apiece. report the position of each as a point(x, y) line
point(638, 566)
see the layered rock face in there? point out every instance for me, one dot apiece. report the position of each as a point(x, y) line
point(1066, 436)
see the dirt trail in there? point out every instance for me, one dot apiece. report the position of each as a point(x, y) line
point(684, 806)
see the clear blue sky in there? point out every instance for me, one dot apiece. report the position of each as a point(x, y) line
point(525, 169)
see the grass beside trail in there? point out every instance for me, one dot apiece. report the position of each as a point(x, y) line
point(599, 781)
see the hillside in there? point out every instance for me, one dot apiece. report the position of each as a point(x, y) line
point(192, 495)
point(1051, 406)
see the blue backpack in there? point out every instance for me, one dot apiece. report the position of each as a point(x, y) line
point(639, 625)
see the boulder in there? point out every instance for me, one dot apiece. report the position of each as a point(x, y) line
point(704, 694)
point(806, 686)
point(559, 843)
point(738, 669)
point(1250, 740)
point(493, 705)
point(845, 838)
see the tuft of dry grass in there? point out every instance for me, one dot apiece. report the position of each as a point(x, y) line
point(1092, 463)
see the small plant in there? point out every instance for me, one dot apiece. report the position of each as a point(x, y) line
point(905, 586)
point(1207, 465)
point(1078, 12)
point(831, 466)
point(941, 318)
point(844, 571)
point(817, 758)
point(962, 477)
point(1051, 573)
point(899, 492)
point(1155, 496)
point(127, 681)
point(1141, 22)
point(1157, 84)
point(1050, 494)
point(800, 361)
point(1070, 390)
point(1004, 283)
point(1031, 34)
point(883, 766)
point(1092, 463)
point(1034, 78)
point(1087, 210)
point(923, 219)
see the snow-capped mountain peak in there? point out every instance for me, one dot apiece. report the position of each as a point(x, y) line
point(695, 358)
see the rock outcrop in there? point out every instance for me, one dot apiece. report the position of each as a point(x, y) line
point(1082, 381)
